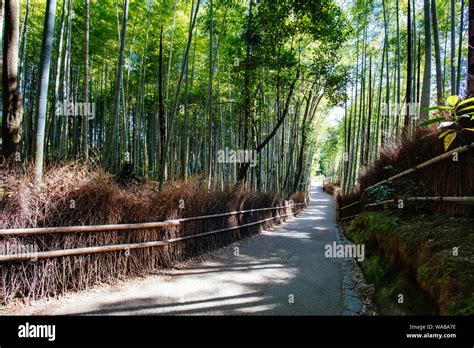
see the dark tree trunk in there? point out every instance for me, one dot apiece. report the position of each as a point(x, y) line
point(85, 118)
point(12, 103)
point(439, 76)
point(406, 123)
point(161, 108)
point(470, 54)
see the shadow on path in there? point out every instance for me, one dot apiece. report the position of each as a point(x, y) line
point(278, 272)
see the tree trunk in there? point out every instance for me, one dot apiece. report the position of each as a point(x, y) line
point(425, 94)
point(58, 78)
point(406, 123)
point(42, 100)
point(12, 101)
point(118, 85)
point(244, 167)
point(85, 118)
point(453, 47)
point(386, 117)
point(461, 35)
point(24, 31)
point(439, 76)
point(470, 53)
point(178, 88)
point(1, 40)
point(369, 116)
point(210, 129)
point(399, 77)
point(161, 108)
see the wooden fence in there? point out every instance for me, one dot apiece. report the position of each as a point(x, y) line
point(130, 228)
point(426, 164)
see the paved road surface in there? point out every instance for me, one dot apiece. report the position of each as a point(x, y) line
point(278, 272)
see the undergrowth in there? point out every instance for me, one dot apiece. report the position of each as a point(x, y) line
point(452, 177)
point(75, 194)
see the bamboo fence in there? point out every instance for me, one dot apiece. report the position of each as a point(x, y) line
point(423, 165)
point(137, 226)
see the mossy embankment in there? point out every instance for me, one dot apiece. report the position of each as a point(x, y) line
point(428, 259)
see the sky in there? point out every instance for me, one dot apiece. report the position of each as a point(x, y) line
point(335, 115)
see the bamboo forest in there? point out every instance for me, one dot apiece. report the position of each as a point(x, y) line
point(149, 141)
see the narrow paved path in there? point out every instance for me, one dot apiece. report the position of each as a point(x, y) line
point(278, 272)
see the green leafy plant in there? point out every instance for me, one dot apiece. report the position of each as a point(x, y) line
point(380, 193)
point(449, 116)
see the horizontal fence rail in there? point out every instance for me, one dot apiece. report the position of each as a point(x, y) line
point(172, 240)
point(423, 165)
point(79, 251)
point(466, 200)
point(348, 217)
point(112, 227)
point(80, 229)
point(139, 226)
point(235, 213)
point(350, 205)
